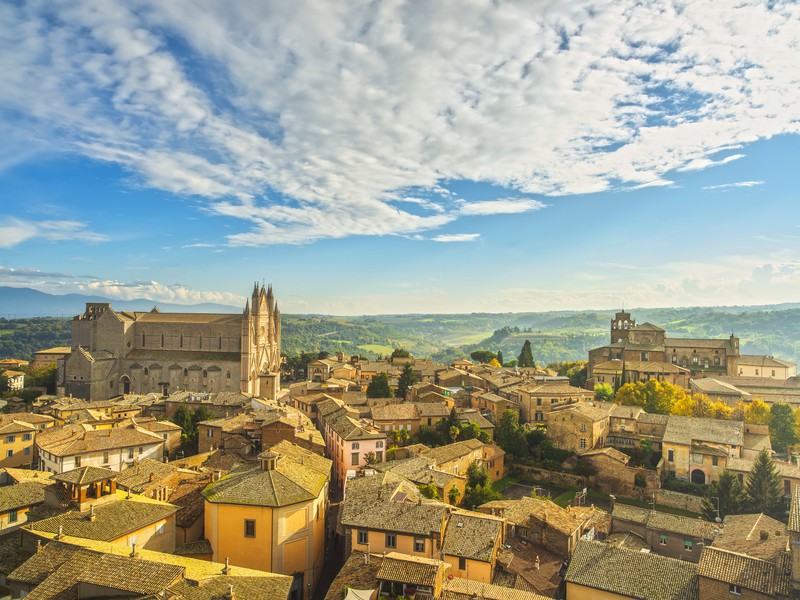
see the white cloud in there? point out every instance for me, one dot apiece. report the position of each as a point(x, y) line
point(336, 107)
point(17, 231)
point(504, 206)
point(740, 184)
point(456, 237)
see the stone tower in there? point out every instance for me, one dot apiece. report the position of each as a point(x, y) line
point(620, 325)
point(261, 345)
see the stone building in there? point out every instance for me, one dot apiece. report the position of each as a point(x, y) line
point(651, 353)
point(121, 352)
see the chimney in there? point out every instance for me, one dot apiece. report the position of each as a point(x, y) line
point(129, 494)
point(60, 532)
point(38, 546)
point(91, 513)
point(152, 476)
point(230, 595)
point(227, 568)
point(133, 553)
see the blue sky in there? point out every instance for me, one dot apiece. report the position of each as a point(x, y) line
point(403, 156)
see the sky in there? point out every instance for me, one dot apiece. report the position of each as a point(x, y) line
point(403, 157)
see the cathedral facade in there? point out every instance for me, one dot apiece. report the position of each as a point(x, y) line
point(121, 352)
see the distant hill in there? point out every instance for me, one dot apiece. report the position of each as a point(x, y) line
point(17, 303)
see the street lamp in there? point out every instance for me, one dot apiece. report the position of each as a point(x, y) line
point(716, 510)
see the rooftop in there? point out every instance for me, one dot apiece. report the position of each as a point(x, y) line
point(619, 571)
point(20, 495)
point(661, 521)
point(79, 439)
point(756, 535)
point(739, 569)
point(472, 535)
point(683, 430)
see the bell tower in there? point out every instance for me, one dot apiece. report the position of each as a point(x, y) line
point(261, 345)
point(621, 324)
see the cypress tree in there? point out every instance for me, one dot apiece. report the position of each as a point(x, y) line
point(763, 493)
point(525, 358)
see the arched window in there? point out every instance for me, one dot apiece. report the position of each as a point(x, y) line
point(142, 340)
point(186, 372)
point(227, 375)
point(200, 339)
point(162, 340)
point(205, 374)
point(146, 371)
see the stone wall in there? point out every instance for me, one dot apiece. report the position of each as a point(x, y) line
point(614, 477)
point(544, 475)
point(679, 500)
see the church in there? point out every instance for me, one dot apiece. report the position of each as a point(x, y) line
point(120, 352)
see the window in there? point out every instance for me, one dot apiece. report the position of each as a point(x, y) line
point(716, 361)
point(538, 402)
point(249, 528)
point(77, 461)
point(162, 340)
point(687, 545)
point(26, 450)
point(645, 356)
point(462, 563)
point(12, 516)
point(9, 453)
point(105, 458)
point(756, 371)
point(165, 436)
point(10, 439)
point(391, 540)
point(141, 450)
point(27, 437)
point(662, 539)
point(146, 371)
point(695, 359)
point(671, 455)
point(583, 426)
point(210, 433)
point(379, 455)
point(363, 537)
point(354, 459)
point(735, 589)
point(142, 340)
point(379, 444)
point(583, 442)
point(181, 341)
point(419, 544)
point(697, 458)
point(773, 372)
point(160, 528)
point(538, 417)
point(356, 446)
point(715, 460)
point(674, 358)
point(130, 453)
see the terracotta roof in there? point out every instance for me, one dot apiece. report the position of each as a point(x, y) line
point(459, 588)
point(194, 548)
point(619, 571)
point(188, 497)
point(406, 411)
point(756, 535)
point(683, 430)
point(414, 570)
point(20, 495)
point(444, 454)
point(432, 409)
point(75, 439)
point(610, 452)
point(292, 480)
point(137, 477)
point(738, 569)
point(85, 475)
point(756, 360)
point(544, 511)
point(794, 511)
point(661, 521)
point(112, 519)
point(474, 536)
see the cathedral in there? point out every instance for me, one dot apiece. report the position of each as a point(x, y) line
point(120, 352)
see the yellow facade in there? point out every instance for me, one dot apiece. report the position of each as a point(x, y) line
point(20, 445)
point(403, 543)
point(580, 592)
point(225, 530)
point(20, 517)
point(473, 570)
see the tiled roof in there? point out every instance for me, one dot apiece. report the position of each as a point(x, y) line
point(406, 411)
point(629, 573)
point(188, 497)
point(444, 454)
point(610, 452)
point(683, 430)
point(194, 548)
point(85, 475)
point(756, 360)
point(388, 502)
point(459, 588)
point(738, 569)
point(294, 479)
point(75, 439)
point(661, 521)
point(23, 494)
point(712, 386)
point(414, 570)
point(472, 536)
point(756, 535)
point(417, 469)
point(794, 511)
point(544, 511)
point(12, 555)
point(471, 415)
point(432, 409)
point(596, 411)
point(112, 519)
point(137, 477)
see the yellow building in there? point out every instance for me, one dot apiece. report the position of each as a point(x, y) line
point(50, 356)
point(17, 435)
point(471, 543)
point(17, 500)
point(272, 517)
point(579, 426)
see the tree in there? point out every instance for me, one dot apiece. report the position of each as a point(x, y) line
point(406, 380)
point(603, 392)
point(500, 357)
point(470, 431)
point(494, 363)
point(483, 356)
point(40, 376)
point(400, 353)
point(723, 497)
point(370, 458)
point(453, 495)
point(379, 387)
point(479, 488)
point(3, 382)
point(781, 426)
point(454, 431)
point(525, 358)
point(400, 436)
point(429, 491)
point(653, 396)
point(509, 435)
point(762, 490)
point(757, 412)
